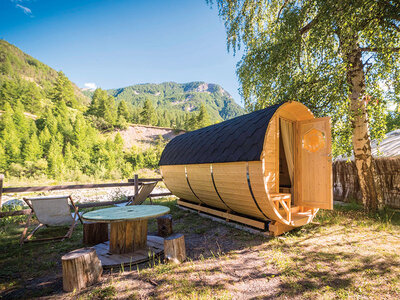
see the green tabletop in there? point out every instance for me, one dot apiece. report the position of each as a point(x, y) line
point(124, 213)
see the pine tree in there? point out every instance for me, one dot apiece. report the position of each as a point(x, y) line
point(69, 157)
point(63, 91)
point(55, 157)
point(148, 116)
point(3, 159)
point(123, 110)
point(32, 150)
point(203, 118)
point(103, 106)
point(119, 143)
point(10, 136)
point(44, 140)
point(192, 123)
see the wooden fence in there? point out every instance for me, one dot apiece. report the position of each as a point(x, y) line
point(135, 183)
point(347, 188)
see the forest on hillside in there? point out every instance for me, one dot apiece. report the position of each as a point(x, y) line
point(48, 128)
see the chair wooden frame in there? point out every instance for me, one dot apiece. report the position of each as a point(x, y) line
point(143, 193)
point(61, 238)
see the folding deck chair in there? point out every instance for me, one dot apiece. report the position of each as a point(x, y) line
point(144, 192)
point(51, 211)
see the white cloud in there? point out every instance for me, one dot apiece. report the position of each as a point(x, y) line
point(90, 85)
point(25, 9)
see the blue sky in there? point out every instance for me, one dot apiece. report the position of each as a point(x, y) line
point(116, 43)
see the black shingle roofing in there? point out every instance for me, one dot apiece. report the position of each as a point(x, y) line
point(237, 139)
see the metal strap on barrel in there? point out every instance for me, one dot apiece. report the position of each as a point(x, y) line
point(215, 187)
point(190, 187)
point(251, 190)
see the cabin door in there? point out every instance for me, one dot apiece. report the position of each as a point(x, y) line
point(313, 164)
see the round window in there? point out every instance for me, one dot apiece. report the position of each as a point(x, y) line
point(313, 140)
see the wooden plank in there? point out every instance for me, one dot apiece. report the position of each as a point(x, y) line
point(25, 189)
point(175, 180)
point(108, 260)
point(225, 215)
point(315, 165)
point(64, 187)
point(277, 228)
point(231, 182)
point(201, 182)
point(83, 205)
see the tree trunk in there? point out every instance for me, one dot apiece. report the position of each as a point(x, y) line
point(81, 268)
point(371, 195)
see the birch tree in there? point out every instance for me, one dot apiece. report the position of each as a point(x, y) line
point(339, 57)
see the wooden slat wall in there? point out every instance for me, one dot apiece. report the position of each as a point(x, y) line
point(175, 180)
point(231, 182)
point(231, 178)
point(201, 183)
point(256, 172)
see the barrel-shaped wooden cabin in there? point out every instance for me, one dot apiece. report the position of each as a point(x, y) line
point(270, 169)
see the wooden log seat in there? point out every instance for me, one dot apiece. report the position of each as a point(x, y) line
point(174, 248)
point(81, 268)
point(164, 224)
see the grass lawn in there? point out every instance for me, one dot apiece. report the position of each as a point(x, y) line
point(343, 254)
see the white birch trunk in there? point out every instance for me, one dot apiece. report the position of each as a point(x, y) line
point(371, 194)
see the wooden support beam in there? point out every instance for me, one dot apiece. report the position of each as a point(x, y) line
point(136, 183)
point(277, 228)
point(250, 222)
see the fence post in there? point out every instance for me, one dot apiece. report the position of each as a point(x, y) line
point(1, 190)
point(136, 182)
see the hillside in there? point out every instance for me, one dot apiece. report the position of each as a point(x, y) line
point(143, 136)
point(16, 65)
point(50, 128)
point(185, 97)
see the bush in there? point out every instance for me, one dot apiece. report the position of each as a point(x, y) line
point(16, 170)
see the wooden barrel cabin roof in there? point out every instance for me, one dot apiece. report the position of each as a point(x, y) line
point(237, 139)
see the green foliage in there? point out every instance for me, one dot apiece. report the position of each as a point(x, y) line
point(393, 120)
point(103, 107)
point(300, 51)
point(63, 92)
point(49, 128)
point(148, 114)
point(174, 100)
point(203, 118)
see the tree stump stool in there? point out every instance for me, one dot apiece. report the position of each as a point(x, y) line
point(81, 268)
point(174, 248)
point(164, 225)
point(95, 233)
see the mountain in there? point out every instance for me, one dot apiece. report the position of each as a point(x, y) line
point(182, 97)
point(15, 65)
point(49, 127)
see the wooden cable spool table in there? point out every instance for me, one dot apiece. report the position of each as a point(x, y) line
point(129, 243)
